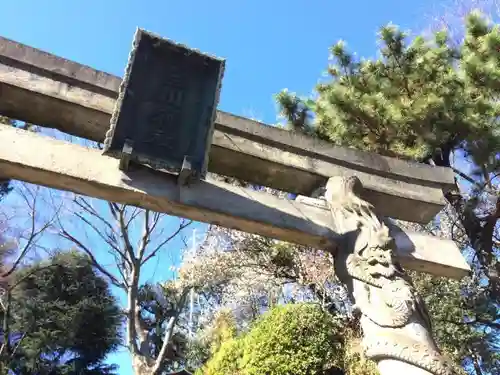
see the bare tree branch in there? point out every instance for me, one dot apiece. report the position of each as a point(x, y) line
point(119, 259)
point(156, 219)
point(124, 232)
point(106, 238)
point(136, 212)
point(30, 199)
point(117, 231)
point(145, 238)
point(183, 225)
point(82, 247)
point(87, 206)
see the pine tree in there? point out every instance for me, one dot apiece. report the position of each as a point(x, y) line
point(434, 102)
point(60, 318)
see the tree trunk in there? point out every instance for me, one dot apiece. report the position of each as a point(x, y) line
point(141, 365)
point(477, 367)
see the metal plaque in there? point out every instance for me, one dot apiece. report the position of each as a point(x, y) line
point(165, 112)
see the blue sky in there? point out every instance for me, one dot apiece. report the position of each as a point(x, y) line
point(269, 45)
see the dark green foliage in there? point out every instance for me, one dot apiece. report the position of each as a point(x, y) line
point(290, 339)
point(66, 315)
point(296, 111)
point(5, 188)
point(434, 102)
point(416, 97)
point(451, 306)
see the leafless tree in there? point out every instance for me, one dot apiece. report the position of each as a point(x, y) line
point(23, 222)
point(132, 237)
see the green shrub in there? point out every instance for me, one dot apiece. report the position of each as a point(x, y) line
point(290, 339)
point(226, 361)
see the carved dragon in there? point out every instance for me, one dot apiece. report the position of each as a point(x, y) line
point(394, 318)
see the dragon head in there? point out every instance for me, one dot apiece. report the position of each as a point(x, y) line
point(378, 252)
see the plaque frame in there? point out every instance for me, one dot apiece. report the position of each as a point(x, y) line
point(182, 110)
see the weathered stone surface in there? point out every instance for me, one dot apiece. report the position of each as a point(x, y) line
point(397, 330)
point(166, 105)
point(54, 92)
point(71, 167)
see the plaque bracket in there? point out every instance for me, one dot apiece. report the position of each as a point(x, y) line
point(186, 174)
point(126, 154)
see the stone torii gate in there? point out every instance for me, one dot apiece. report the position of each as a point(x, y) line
point(163, 134)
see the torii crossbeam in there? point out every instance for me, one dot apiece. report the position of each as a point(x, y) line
point(50, 91)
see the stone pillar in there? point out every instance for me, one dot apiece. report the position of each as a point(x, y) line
point(397, 331)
